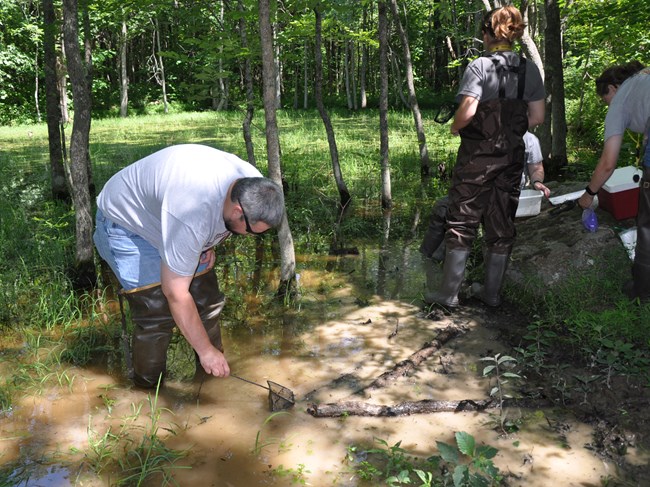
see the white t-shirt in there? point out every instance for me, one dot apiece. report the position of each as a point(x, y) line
point(533, 155)
point(174, 199)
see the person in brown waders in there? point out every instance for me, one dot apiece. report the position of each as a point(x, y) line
point(158, 221)
point(625, 89)
point(501, 96)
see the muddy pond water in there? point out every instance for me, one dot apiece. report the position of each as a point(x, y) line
point(359, 316)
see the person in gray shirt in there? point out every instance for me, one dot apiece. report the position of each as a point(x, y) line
point(158, 221)
point(625, 89)
point(501, 96)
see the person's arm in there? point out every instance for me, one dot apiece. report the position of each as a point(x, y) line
point(464, 113)
point(604, 169)
point(536, 175)
point(536, 113)
point(181, 304)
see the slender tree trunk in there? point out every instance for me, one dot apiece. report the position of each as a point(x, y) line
point(386, 194)
point(305, 101)
point(250, 95)
point(555, 86)
point(160, 66)
point(287, 286)
point(124, 77)
point(397, 80)
point(79, 154)
point(348, 75)
point(278, 66)
point(425, 164)
point(36, 86)
point(364, 63)
point(52, 105)
point(61, 73)
point(344, 194)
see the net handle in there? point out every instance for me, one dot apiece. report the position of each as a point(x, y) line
point(250, 382)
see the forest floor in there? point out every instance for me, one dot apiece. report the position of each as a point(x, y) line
point(615, 405)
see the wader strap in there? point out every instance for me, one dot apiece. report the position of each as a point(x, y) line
point(502, 72)
point(521, 79)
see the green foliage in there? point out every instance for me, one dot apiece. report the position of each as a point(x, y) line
point(462, 465)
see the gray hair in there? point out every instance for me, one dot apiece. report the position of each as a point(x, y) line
point(261, 198)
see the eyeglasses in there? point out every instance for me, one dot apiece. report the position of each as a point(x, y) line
point(248, 225)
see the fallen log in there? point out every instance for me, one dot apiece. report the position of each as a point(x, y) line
point(356, 408)
point(407, 366)
point(399, 370)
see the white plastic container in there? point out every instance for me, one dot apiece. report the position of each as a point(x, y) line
point(530, 202)
point(628, 237)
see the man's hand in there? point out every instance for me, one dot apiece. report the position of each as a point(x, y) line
point(215, 363)
point(186, 316)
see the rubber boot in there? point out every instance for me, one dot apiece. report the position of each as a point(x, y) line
point(152, 332)
point(495, 271)
point(209, 303)
point(453, 273)
point(639, 286)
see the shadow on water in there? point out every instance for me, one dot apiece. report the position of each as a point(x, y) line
point(358, 316)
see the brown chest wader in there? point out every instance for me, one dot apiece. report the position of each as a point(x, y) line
point(485, 190)
point(154, 325)
point(639, 286)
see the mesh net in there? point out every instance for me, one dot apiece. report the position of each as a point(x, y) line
point(280, 397)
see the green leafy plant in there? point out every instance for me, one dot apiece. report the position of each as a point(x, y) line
point(498, 368)
point(462, 465)
point(478, 471)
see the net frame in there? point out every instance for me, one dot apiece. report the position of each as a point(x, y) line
point(280, 397)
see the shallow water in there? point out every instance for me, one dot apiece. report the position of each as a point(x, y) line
point(359, 316)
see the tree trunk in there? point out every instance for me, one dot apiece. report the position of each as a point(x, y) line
point(425, 164)
point(305, 89)
point(160, 66)
point(52, 105)
point(347, 74)
point(79, 155)
point(344, 194)
point(386, 194)
point(61, 77)
point(250, 95)
point(555, 86)
point(124, 78)
point(287, 286)
point(364, 63)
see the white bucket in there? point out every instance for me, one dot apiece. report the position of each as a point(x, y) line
point(628, 237)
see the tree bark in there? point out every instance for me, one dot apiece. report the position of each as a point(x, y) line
point(425, 164)
point(344, 194)
point(386, 193)
point(124, 78)
point(364, 63)
point(59, 187)
point(287, 285)
point(85, 275)
point(554, 83)
point(160, 66)
point(250, 95)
